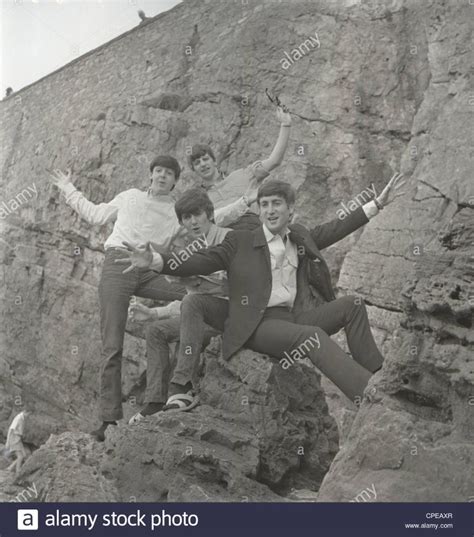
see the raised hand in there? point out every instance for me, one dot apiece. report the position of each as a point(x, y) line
point(140, 313)
point(136, 257)
point(59, 178)
point(389, 193)
point(283, 115)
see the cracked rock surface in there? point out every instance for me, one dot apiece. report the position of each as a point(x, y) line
point(259, 434)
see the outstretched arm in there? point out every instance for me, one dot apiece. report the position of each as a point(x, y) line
point(100, 213)
point(261, 169)
point(203, 262)
point(335, 230)
point(228, 215)
point(276, 156)
point(256, 173)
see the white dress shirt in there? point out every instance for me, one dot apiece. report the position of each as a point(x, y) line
point(284, 263)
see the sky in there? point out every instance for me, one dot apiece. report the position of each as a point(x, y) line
point(39, 36)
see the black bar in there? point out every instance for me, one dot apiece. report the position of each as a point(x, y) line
point(241, 519)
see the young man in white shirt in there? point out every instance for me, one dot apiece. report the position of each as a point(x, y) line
point(195, 212)
point(139, 217)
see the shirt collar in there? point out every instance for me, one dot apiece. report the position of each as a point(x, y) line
point(166, 197)
point(270, 236)
point(211, 234)
point(207, 186)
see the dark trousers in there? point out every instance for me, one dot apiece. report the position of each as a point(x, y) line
point(289, 338)
point(159, 336)
point(115, 290)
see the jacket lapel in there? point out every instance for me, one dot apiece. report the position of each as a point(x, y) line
point(260, 241)
point(311, 263)
point(305, 245)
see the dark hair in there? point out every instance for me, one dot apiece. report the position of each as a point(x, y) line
point(193, 202)
point(198, 151)
point(166, 161)
point(277, 188)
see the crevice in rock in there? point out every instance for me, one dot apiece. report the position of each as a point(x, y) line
point(422, 406)
point(383, 307)
point(442, 194)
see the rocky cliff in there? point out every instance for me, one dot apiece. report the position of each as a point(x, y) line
point(376, 87)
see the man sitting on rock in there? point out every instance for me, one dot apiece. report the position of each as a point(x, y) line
point(195, 212)
point(264, 272)
point(238, 191)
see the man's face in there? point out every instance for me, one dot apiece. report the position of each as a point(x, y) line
point(162, 180)
point(275, 213)
point(205, 167)
point(197, 225)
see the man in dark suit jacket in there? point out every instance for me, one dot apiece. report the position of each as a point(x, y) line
point(267, 268)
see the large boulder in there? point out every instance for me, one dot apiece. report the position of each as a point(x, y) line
point(260, 433)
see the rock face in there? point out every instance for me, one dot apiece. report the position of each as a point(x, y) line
point(413, 441)
point(386, 89)
point(260, 432)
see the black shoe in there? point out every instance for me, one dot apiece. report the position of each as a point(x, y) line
point(99, 434)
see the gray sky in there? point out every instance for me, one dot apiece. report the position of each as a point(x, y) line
point(39, 36)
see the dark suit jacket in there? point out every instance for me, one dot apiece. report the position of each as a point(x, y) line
point(246, 258)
